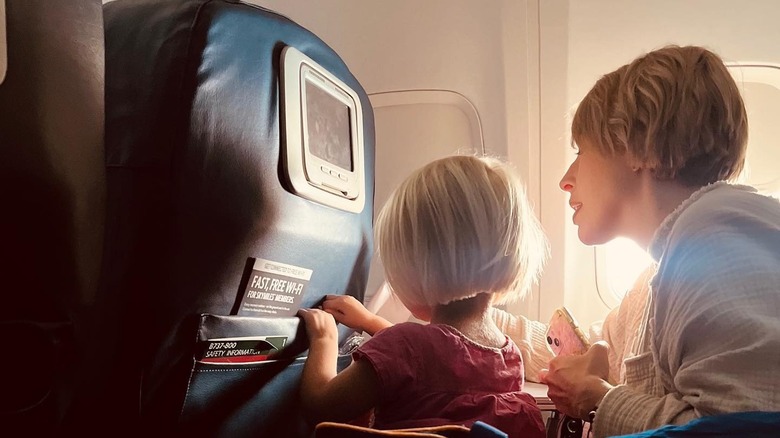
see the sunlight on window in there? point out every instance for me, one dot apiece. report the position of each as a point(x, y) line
point(624, 261)
point(760, 88)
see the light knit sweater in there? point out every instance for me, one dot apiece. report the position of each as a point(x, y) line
point(712, 328)
point(711, 339)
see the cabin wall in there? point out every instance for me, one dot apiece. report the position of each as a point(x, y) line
point(480, 53)
point(436, 44)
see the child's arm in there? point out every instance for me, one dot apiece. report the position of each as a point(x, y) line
point(530, 337)
point(349, 311)
point(325, 394)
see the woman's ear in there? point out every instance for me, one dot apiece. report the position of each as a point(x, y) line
point(633, 162)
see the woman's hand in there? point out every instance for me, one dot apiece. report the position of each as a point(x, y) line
point(576, 384)
point(349, 311)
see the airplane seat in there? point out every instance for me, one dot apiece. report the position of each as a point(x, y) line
point(53, 192)
point(205, 207)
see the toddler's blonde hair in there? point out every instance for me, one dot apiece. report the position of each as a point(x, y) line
point(457, 227)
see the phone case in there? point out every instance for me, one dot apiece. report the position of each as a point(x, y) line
point(564, 336)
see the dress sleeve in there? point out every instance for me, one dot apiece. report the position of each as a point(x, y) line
point(530, 337)
point(391, 353)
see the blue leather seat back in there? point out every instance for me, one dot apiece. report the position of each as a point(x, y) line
point(195, 193)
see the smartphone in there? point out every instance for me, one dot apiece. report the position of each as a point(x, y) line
point(564, 336)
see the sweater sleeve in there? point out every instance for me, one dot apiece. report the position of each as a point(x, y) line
point(622, 325)
point(530, 337)
point(715, 335)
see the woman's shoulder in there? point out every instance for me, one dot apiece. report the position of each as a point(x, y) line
point(729, 200)
point(726, 238)
point(723, 206)
point(719, 227)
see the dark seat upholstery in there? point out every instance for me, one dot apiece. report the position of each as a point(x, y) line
point(195, 192)
point(52, 190)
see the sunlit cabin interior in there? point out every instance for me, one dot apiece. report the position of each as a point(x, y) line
point(439, 77)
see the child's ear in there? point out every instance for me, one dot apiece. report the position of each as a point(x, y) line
point(422, 313)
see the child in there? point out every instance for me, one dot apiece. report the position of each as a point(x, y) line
point(457, 236)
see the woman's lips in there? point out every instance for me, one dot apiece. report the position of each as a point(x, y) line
point(576, 206)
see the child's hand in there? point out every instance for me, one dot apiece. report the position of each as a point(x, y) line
point(349, 311)
point(319, 325)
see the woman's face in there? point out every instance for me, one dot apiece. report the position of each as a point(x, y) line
point(602, 189)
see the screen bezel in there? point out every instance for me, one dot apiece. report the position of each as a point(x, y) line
point(310, 76)
point(309, 176)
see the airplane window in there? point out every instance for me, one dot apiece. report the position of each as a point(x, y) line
point(619, 262)
point(760, 86)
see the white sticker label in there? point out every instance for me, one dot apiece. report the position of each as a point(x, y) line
point(274, 289)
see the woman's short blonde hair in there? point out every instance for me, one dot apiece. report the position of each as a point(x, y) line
point(676, 111)
point(458, 227)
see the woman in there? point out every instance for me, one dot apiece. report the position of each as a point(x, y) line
point(657, 139)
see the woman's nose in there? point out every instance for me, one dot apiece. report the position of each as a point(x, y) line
point(567, 182)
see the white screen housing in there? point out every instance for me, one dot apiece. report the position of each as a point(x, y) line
point(323, 134)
